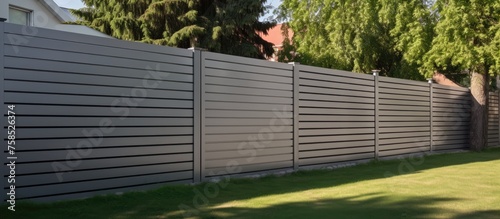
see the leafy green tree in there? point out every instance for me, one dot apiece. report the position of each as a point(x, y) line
point(225, 26)
point(467, 38)
point(361, 35)
point(287, 53)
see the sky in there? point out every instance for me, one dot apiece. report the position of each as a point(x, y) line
point(76, 4)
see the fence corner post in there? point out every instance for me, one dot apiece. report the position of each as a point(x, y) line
point(197, 116)
point(431, 114)
point(295, 114)
point(376, 97)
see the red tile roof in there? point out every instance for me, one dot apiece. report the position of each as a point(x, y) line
point(275, 35)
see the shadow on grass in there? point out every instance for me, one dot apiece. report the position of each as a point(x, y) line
point(479, 215)
point(164, 202)
point(374, 207)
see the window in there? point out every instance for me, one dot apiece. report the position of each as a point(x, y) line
point(19, 16)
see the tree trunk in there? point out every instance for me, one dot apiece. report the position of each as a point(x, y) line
point(479, 111)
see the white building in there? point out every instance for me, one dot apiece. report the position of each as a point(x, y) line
point(44, 14)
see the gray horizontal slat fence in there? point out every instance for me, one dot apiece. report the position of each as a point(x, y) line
point(247, 113)
point(493, 122)
point(404, 116)
point(451, 116)
point(336, 116)
point(97, 115)
point(135, 101)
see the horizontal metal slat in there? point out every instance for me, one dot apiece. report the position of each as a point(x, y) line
point(329, 118)
point(62, 45)
point(403, 87)
point(98, 111)
point(268, 136)
point(334, 72)
point(228, 146)
point(335, 85)
point(108, 153)
point(245, 114)
point(404, 97)
point(247, 61)
point(404, 124)
point(38, 87)
point(336, 105)
point(335, 152)
point(403, 129)
point(226, 64)
point(404, 151)
point(62, 56)
point(343, 131)
point(334, 145)
point(249, 153)
point(244, 83)
point(51, 178)
point(57, 77)
point(253, 76)
point(403, 92)
point(75, 165)
point(243, 169)
point(314, 139)
point(247, 161)
point(334, 159)
point(49, 122)
point(43, 133)
point(101, 184)
point(405, 135)
point(94, 40)
point(350, 79)
point(335, 91)
point(323, 111)
point(404, 140)
point(45, 144)
point(402, 102)
point(326, 125)
point(316, 97)
point(390, 80)
point(247, 122)
point(244, 90)
point(28, 98)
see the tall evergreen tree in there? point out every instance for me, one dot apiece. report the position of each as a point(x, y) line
point(225, 26)
point(468, 38)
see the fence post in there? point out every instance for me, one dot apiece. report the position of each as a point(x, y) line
point(295, 115)
point(4, 119)
point(197, 102)
point(376, 96)
point(431, 97)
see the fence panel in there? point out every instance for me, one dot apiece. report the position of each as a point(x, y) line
point(451, 117)
point(493, 131)
point(96, 115)
point(336, 116)
point(404, 114)
point(248, 115)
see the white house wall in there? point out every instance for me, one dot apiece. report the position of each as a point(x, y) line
point(42, 17)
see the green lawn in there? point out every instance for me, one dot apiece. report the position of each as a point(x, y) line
point(457, 186)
